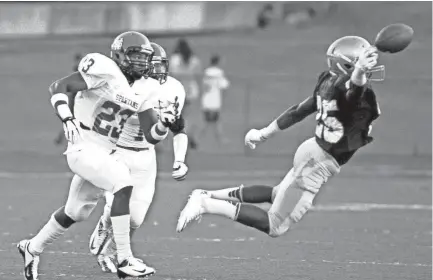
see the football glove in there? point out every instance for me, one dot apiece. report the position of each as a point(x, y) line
point(253, 137)
point(168, 112)
point(72, 130)
point(179, 171)
point(367, 59)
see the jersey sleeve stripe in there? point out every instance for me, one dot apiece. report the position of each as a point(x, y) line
point(153, 137)
point(159, 132)
point(58, 103)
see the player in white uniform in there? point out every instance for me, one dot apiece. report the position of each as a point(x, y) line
point(139, 155)
point(111, 90)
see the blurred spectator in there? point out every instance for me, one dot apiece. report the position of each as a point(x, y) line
point(186, 67)
point(265, 16)
point(61, 136)
point(214, 84)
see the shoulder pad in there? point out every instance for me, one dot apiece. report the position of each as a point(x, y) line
point(96, 64)
point(172, 87)
point(175, 87)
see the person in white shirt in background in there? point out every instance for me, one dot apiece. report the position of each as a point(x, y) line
point(185, 66)
point(214, 84)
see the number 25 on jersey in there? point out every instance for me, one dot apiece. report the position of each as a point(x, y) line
point(328, 128)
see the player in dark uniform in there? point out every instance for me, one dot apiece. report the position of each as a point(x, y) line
point(345, 107)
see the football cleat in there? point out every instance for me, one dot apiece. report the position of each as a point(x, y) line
point(107, 259)
point(99, 237)
point(31, 262)
point(108, 263)
point(133, 267)
point(192, 210)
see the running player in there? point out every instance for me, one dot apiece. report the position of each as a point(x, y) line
point(138, 154)
point(111, 90)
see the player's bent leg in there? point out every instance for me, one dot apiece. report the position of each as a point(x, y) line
point(104, 171)
point(295, 194)
point(200, 203)
point(120, 219)
point(31, 249)
point(143, 179)
point(59, 222)
point(103, 231)
point(82, 199)
point(142, 195)
point(248, 194)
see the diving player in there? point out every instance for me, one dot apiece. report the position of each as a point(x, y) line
point(345, 107)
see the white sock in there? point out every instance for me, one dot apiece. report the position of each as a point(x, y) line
point(50, 232)
point(230, 194)
point(121, 229)
point(220, 207)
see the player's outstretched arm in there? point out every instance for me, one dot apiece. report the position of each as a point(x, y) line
point(180, 147)
point(63, 93)
point(154, 130)
point(288, 118)
point(291, 116)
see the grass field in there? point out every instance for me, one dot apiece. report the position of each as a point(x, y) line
point(374, 221)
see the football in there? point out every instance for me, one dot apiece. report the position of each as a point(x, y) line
point(394, 38)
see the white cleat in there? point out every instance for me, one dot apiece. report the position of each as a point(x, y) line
point(192, 210)
point(133, 267)
point(98, 238)
point(31, 262)
point(107, 259)
point(108, 263)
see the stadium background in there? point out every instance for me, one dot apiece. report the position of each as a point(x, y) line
point(270, 69)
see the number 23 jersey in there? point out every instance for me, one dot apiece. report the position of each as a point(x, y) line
point(343, 126)
point(110, 100)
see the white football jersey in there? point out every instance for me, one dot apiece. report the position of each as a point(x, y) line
point(110, 100)
point(214, 82)
point(132, 135)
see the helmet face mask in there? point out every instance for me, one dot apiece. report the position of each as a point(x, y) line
point(343, 53)
point(133, 54)
point(139, 62)
point(160, 64)
point(160, 70)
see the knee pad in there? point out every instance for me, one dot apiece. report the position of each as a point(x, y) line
point(82, 199)
point(303, 205)
point(278, 224)
point(80, 213)
point(138, 211)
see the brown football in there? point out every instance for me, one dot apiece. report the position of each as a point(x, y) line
point(394, 38)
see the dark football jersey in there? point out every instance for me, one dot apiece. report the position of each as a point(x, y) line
point(343, 125)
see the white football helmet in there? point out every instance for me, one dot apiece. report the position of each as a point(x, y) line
point(343, 53)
